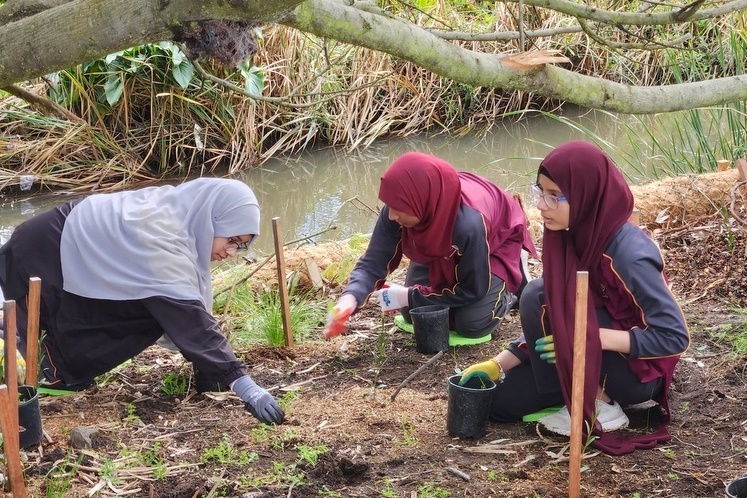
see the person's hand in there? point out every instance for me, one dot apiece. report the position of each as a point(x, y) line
point(265, 408)
point(487, 370)
point(337, 318)
point(546, 347)
point(258, 401)
point(392, 297)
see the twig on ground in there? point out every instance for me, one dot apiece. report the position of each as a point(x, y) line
point(415, 373)
point(458, 473)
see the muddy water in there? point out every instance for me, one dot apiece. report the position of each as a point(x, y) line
point(315, 190)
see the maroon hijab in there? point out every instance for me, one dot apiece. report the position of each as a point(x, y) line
point(432, 190)
point(600, 203)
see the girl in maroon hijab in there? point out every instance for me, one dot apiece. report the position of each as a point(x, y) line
point(463, 236)
point(635, 329)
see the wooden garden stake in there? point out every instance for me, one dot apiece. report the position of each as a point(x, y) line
point(577, 385)
point(9, 404)
point(11, 360)
point(32, 332)
point(11, 442)
point(280, 261)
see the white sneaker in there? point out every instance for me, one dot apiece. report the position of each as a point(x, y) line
point(611, 417)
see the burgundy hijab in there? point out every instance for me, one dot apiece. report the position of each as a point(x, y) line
point(600, 203)
point(432, 190)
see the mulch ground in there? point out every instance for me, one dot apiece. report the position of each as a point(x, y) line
point(150, 444)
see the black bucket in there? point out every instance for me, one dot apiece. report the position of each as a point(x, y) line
point(29, 417)
point(737, 488)
point(431, 327)
point(204, 384)
point(469, 407)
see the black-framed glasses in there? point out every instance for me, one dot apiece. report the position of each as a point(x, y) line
point(551, 201)
point(235, 246)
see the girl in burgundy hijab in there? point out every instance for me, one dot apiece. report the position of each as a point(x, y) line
point(463, 235)
point(635, 329)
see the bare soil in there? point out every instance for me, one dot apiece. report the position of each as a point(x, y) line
point(383, 447)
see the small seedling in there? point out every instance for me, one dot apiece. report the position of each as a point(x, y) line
point(311, 454)
point(175, 384)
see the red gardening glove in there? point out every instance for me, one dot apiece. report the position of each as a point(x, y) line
point(337, 318)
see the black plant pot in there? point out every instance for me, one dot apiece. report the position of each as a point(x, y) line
point(29, 417)
point(431, 327)
point(468, 407)
point(737, 488)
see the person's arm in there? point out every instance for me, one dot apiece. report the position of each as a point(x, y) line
point(195, 332)
point(382, 257)
point(639, 265)
point(472, 266)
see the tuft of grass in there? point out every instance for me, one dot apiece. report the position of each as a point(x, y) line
point(175, 384)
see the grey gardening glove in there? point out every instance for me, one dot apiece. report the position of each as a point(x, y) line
point(257, 401)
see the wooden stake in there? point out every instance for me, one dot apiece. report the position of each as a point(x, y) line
point(11, 443)
point(11, 360)
point(32, 332)
point(283, 286)
point(577, 385)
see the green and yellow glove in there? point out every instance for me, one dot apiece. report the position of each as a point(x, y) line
point(487, 370)
point(546, 347)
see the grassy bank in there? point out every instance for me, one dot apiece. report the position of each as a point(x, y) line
point(149, 113)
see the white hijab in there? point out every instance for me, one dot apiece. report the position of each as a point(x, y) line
point(155, 241)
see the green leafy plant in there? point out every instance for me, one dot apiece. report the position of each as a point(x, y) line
point(408, 434)
point(388, 490)
point(431, 491)
point(175, 384)
point(224, 453)
point(311, 454)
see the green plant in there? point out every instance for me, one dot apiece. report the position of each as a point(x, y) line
point(311, 454)
point(261, 315)
point(108, 471)
point(174, 384)
point(225, 453)
point(408, 436)
point(132, 417)
point(284, 440)
point(328, 492)
point(60, 477)
point(430, 491)
point(388, 491)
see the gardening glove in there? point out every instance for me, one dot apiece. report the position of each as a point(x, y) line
point(392, 297)
point(546, 347)
point(487, 370)
point(257, 401)
point(20, 364)
point(337, 318)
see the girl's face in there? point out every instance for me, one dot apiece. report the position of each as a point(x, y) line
point(405, 220)
point(226, 247)
point(557, 217)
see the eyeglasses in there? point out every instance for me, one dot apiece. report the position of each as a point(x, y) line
point(551, 201)
point(235, 246)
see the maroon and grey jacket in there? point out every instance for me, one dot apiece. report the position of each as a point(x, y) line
point(630, 285)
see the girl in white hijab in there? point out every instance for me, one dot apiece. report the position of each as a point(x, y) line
point(120, 270)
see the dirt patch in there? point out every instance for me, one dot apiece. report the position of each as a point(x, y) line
point(364, 444)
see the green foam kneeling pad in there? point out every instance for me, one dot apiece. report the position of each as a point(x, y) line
point(454, 338)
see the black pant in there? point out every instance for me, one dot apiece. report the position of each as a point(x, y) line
point(534, 384)
point(476, 319)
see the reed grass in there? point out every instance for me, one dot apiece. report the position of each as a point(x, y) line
point(151, 115)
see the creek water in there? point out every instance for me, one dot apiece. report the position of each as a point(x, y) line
point(314, 190)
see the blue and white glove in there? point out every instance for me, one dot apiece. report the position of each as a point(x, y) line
point(258, 401)
point(392, 297)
